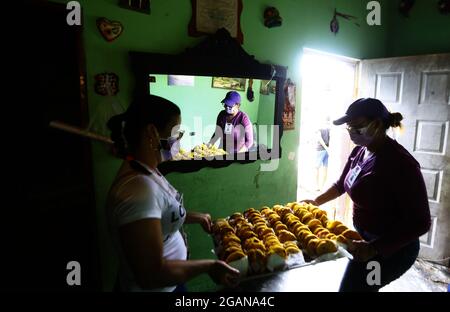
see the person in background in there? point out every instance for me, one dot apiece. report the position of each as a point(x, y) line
point(145, 212)
point(322, 153)
point(233, 126)
point(390, 202)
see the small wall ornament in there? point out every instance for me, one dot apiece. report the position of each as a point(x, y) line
point(110, 30)
point(272, 17)
point(106, 84)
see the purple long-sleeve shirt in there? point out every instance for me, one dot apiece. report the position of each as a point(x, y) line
point(242, 134)
point(389, 196)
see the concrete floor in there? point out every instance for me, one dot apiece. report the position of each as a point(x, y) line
point(326, 277)
point(422, 277)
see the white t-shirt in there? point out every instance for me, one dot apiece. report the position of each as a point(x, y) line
point(136, 195)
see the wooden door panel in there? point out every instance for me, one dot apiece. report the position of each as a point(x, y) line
point(419, 88)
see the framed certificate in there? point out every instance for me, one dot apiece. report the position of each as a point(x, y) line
point(210, 15)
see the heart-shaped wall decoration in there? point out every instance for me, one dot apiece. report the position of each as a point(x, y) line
point(110, 30)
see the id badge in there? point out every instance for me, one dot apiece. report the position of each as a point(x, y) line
point(353, 175)
point(228, 128)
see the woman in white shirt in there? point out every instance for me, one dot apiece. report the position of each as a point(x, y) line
point(145, 213)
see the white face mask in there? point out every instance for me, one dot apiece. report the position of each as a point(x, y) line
point(360, 136)
point(231, 110)
point(169, 147)
point(167, 154)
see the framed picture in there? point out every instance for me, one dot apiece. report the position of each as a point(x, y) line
point(208, 16)
point(181, 80)
point(237, 84)
point(142, 6)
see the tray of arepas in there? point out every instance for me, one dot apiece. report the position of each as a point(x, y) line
point(264, 241)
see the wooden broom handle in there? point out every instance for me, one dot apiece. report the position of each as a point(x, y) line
point(79, 131)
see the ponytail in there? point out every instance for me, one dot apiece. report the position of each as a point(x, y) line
point(394, 120)
point(146, 109)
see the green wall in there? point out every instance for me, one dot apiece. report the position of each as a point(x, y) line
point(237, 187)
point(201, 100)
point(425, 31)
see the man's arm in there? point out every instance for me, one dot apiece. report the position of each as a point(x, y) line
point(321, 141)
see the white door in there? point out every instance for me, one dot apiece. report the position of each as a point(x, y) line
point(419, 88)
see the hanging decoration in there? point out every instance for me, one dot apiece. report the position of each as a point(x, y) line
point(110, 30)
point(334, 24)
point(272, 17)
point(250, 93)
point(405, 7)
point(444, 6)
point(289, 105)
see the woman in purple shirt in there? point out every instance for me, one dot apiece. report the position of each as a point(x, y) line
point(233, 126)
point(390, 203)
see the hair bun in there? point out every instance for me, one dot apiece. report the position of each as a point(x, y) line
point(395, 120)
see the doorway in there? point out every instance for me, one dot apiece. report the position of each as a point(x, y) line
point(329, 84)
point(49, 180)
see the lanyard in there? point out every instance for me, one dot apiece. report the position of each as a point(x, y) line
point(136, 165)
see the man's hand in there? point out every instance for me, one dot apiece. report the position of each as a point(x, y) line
point(361, 250)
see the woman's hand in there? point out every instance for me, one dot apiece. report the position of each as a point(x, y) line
point(361, 250)
point(310, 201)
point(204, 219)
point(222, 273)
